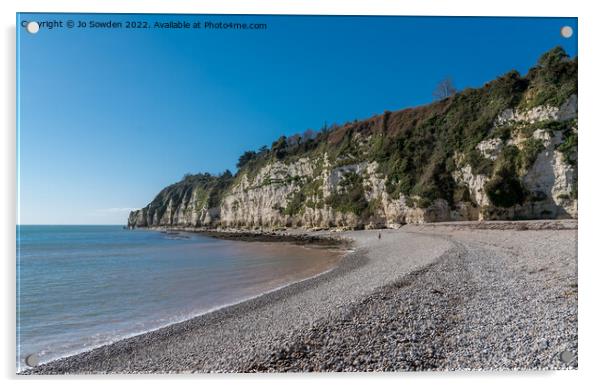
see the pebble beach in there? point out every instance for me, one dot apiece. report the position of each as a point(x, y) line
point(450, 296)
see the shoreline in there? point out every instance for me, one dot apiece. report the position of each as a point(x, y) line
point(358, 277)
point(254, 300)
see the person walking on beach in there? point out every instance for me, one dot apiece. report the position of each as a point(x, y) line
point(379, 235)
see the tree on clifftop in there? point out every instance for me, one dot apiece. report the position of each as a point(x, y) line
point(245, 158)
point(444, 89)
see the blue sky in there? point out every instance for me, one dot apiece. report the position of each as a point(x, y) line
point(107, 118)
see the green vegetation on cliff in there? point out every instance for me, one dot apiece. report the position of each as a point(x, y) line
point(504, 189)
point(552, 81)
point(349, 198)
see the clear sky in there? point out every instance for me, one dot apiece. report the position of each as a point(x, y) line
point(108, 117)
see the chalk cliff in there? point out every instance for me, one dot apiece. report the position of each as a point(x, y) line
point(507, 150)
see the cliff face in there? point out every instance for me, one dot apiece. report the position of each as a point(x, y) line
point(505, 151)
point(193, 201)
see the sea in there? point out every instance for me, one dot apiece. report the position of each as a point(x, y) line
point(80, 287)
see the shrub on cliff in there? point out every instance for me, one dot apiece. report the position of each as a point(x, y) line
point(505, 189)
point(553, 80)
point(350, 197)
point(529, 152)
point(245, 158)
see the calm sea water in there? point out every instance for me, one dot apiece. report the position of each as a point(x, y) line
point(80, 287)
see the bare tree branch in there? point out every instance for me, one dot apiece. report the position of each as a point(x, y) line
point(444, 89)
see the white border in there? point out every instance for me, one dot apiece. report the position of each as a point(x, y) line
point(590, 67)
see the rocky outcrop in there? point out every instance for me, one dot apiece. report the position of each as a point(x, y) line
point(490, 148)
point(552, 178)
point(567, 111)
point(475, 184)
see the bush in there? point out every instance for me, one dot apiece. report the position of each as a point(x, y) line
point(479, 163)
point(553, 80)
point(569, 148)
point(245, 158)
point(505, 190)
point(295, 204)
point(461, 194)
point(531, 149)
point(350, 196)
